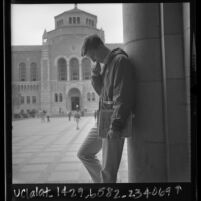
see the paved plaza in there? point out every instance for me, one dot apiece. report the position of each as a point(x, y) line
point(46, 152)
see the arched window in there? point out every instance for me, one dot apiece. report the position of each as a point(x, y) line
point(22, 72)
point(56, 97)
point(62, 69)
point(60, 23)
point(70, 20)
point(93, 96)
point(88, 96)
point(28, 99)
point(33, 99)
point(22, 100)
point(60, 97)
point(33, 71)
point(78, 20)
point(86, 69)
point(74, 69)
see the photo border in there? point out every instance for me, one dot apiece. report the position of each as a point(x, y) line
point(190, 189)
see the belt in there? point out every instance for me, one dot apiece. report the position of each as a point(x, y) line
point(108, 102)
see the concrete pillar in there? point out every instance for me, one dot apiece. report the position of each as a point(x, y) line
point(186, 35)
point(158, 151)
point(178, 106)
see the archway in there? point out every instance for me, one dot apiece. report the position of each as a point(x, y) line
point(74, 99)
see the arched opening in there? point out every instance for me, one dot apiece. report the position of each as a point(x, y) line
point(22, 72)
point(74, 69)
point(33, 71)
point(86, 69)
point(62, 69)
point(74, 99)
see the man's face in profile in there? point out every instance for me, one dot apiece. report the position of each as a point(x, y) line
point(92, 55)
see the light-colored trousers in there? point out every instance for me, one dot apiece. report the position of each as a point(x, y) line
point(111, 157)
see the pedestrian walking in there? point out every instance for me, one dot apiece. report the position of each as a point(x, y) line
point(48, 116)
point(77, 118)
point(69, 114)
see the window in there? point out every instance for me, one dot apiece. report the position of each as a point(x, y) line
point(74, 69)
point(22, 72)
point(74, 20)
point(28, 99)
point(33, 99)
point(22, 100)
point(60, 23)
point(93, 96)
point(60, 97)
point(62, 69)
point(33, 71)
point(87, 21)
point(88, 96)
point(56, 98)
point(78, 20)
point(70, 20)
point(86, 69)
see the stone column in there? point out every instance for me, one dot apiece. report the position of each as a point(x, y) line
point(186, 35)
point(80, 69)
point(178, 108)
point(68, 70)
point(45, 80)
point(153, 40)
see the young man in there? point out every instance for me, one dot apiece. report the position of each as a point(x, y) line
point(114, 85)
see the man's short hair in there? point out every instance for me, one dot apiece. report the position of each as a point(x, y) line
point(90, 43)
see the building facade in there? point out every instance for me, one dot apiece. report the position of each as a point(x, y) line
point(53, 76)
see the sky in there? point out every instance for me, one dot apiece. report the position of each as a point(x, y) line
point(28, 21)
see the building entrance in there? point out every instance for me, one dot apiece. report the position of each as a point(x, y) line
point(75, 103)
point(74, 99)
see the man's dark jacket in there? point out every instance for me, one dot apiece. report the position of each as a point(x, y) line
point(116, 84)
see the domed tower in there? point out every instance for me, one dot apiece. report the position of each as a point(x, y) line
point(77, 21)
point(66, 70)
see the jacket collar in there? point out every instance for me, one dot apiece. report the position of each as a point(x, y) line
point(107, 58)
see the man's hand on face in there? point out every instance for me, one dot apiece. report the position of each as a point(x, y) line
point(96, 69)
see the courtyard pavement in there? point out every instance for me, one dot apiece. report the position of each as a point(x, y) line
point(46, 152)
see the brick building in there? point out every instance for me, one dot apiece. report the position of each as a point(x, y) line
point(53, 76)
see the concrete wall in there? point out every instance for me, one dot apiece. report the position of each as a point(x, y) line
point(153, 37)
